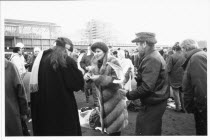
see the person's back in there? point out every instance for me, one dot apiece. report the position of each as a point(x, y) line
point(194, 84)
point(15, 101)
point(54, 108)
point(197, 69)
point(175, 69)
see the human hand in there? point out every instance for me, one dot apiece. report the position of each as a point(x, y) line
point(86, 76)
point(123, 92)
point(94, 77)
point(89, 68)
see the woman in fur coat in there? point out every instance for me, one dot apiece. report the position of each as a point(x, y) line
point(114, 115)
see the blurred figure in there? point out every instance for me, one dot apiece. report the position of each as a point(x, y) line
point(165, 54)
point(136, 58)
point(89, 88)
point(82, 52)
point(205, 49)
point(127, 55)
point(75, 54)
point(152, 86)
point(53, 80)
point(16, 108)
point(115, 54)
point(17, 58)
point(32, 58)
point(26, 78)
point(111, 104)
point(128, 69)
point(175, 71)
point(194, 84)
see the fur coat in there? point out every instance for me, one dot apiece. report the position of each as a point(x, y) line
point(115, 110)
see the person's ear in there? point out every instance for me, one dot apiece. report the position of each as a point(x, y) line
point(144, 44)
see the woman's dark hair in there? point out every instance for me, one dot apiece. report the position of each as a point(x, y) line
point(16, 49)
point(59, 54)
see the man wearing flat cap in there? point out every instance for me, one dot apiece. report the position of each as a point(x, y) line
point(152, 86)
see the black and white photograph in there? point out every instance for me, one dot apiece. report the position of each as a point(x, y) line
point(88, 68)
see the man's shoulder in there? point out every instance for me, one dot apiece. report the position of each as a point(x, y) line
point(155, 55)
point(201, 55)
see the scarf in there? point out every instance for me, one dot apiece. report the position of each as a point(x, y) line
point(33, 84)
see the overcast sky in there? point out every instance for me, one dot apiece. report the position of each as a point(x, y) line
point(171, 20)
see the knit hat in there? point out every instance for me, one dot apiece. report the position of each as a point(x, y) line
point(63, 41)
point(99, 45)
point(145, 36)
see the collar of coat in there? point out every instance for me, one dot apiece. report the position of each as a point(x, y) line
point(188, 56)
point(142, 56)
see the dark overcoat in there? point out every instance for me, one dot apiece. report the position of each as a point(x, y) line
point(15, 100)
point(54, 107)
point(175, 70)
point(195, 81)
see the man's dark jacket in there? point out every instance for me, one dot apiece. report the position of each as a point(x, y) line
point(152, 80)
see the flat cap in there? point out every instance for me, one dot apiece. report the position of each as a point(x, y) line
point(145, 36)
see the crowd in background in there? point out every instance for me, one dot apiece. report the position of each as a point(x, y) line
point(41, 86)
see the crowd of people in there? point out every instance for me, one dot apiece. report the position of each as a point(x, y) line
point(42, 88)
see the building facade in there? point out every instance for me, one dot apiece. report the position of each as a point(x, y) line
point(30, 33)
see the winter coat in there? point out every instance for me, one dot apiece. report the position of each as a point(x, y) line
point(194, 83)
point(152, 80)
point(54, 108)
point(15, 100)
point(175, 70)
point(115, 110)
point(19, 62)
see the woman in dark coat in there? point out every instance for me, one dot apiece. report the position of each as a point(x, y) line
point(16, 107)
point(54, 108)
